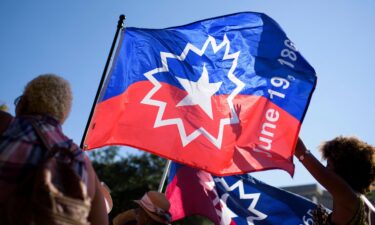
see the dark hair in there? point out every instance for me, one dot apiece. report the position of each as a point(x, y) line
point(352, 159)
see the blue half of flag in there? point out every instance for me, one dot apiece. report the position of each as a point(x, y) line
point(238, 199)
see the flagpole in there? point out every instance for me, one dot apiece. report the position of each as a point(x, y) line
point(120, 25)
point(164, 176)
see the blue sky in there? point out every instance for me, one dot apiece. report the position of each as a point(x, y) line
point(72, 38)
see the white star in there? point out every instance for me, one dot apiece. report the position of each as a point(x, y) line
point(200, 92)
point(215, 139)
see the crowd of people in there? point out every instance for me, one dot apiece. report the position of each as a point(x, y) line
point(44, 106)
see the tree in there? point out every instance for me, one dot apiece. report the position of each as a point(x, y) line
point(129, 177)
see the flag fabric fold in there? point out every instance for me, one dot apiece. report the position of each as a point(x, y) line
point(226, 95)
point(233, 200)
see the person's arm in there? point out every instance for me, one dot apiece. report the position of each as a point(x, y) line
point(341, 192)
point(98, 213)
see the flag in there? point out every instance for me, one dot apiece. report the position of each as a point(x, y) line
point(233, 200)
point(226, 95)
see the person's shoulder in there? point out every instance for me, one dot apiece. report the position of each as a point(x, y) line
point(5, 115)
point(19, 129)
point(5, 121)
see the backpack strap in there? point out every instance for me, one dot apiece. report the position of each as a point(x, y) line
point(51, 151)
point(41, 135)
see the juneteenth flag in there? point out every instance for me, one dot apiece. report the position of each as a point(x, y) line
point(233, 200)
point(226, 95)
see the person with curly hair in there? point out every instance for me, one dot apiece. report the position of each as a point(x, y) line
point(347, 177)
point(45, 104)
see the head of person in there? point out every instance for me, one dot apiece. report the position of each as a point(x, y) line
point(3, 108)
point(153, 209)
point(352, 159)
point(5, 118)
point(47, 94)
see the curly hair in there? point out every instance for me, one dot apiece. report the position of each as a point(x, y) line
point(352, 160)
point(46, 94)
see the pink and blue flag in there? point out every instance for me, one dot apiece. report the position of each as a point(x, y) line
point(226, 95)
point(233, 200)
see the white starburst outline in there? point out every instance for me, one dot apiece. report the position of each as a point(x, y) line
point(243, 195)
point(222, 212)
point(159, 122)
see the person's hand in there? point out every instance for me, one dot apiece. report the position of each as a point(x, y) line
point(300, 148)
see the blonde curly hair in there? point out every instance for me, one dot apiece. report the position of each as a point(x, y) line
point(46, 94)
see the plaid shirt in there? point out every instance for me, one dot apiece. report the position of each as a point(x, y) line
point(21, 149)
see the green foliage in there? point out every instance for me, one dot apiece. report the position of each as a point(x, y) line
point(130, 177)
point(105, 156)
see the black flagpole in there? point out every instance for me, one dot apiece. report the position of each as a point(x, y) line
point(120, 26)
